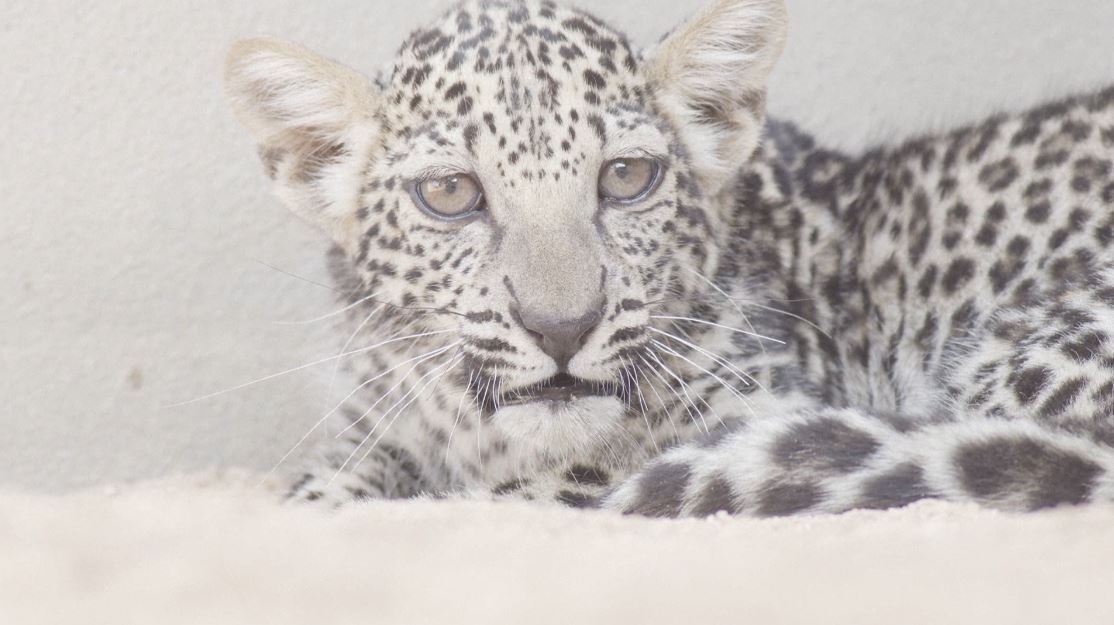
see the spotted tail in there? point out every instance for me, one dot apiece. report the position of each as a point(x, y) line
point(840, 460)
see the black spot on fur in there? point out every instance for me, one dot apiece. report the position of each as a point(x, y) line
point(823, 446)
point(897, 488)
point(1046, 476)
point(780, 498)
point(507, 488)
point(587, 476)
point(661, 491)
point(715, 497)
point(958, 274)
point(1061, 399)
point(1030, 383)
point(577, 500)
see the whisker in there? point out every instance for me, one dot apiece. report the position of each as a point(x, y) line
point(452, 363)
point(273, 376)
point(641, 400)
point(297, 277)
point(480, 428)
point(349, 396)
point(665, 410)
point(495, 395)
point(344, 348)
point(425, 358)
point(719, 325)
point(684, 389)
point(738, 373)
point(736, 301)
point(722, 382)
point(330, 315)
point(710, 355)
point(371, 432)
point(719, 290)
point(791, 315)
point(668, 387)
point(459, 411)
point(743, 376)
point(708, 299)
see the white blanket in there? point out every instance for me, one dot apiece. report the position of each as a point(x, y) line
point(215, 549)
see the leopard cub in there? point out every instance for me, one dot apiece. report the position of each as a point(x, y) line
point(581, 272)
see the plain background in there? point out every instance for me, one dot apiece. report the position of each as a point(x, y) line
point(142, 259)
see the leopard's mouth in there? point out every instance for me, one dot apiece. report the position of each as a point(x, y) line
point(559, 389)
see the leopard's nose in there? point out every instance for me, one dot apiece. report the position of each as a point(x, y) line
point(561, 338)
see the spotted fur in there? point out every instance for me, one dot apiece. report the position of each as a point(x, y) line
point(783, 328)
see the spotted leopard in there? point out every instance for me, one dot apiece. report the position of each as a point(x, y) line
point(575, 271)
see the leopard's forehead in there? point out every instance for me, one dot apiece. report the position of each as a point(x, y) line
point(535, 42)
point(522, 58)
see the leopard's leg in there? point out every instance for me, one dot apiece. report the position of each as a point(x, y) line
point(344, 474)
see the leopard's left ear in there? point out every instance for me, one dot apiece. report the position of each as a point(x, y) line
point(710, 78)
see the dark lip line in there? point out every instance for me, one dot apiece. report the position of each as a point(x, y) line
point(546, 393)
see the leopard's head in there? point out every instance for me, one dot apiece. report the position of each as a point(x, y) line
point(524, 169)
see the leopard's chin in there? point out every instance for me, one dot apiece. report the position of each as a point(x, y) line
point(561, 427)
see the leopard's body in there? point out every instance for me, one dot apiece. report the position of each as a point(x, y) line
point(785, 329)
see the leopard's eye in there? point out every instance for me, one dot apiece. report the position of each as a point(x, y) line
point(450, 197)
point(629, 180)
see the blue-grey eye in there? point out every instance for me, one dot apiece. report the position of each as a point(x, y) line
point(449, 197)
point(629, 180)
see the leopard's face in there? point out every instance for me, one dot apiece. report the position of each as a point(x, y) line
point(524, 171)
point(526, 180)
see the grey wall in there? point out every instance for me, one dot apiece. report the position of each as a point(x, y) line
point(135, 223)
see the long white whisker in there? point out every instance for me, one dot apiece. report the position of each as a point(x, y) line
point(710, 355)
point(349, 396)
point(687, 387)
point(347, 344)
point(459, 412)
point(730, 389)
point(719, 325)
point(366, 438)
point(743, 376)
point(363, 350)
point(641, 400)
point(737, 373)
point(423, 359)
point(480, 401)
point(684, 389)
point(330, 315)
point(452, 363)
point(664, 409)
point(667, 386)
point(717, 288)
point(789, 314)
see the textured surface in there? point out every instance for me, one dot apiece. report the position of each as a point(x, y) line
point(135, 217)
point(205, 550)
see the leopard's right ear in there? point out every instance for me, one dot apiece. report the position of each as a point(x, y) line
point(313, 121)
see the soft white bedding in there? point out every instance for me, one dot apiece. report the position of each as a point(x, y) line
point(216, 549)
